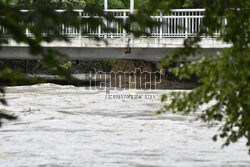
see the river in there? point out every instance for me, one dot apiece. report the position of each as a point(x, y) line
point(72, 126)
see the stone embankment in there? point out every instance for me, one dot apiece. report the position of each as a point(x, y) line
point(147, 75)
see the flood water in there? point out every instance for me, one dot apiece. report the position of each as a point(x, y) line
point(72, 126)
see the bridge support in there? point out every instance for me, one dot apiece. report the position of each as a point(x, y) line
point(26, 66)
point(77, 62)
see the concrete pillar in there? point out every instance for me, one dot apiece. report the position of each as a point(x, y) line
point(26, 66)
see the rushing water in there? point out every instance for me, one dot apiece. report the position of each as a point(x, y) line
point(71, 126)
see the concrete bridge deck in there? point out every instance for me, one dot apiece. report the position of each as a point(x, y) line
point(148, 49)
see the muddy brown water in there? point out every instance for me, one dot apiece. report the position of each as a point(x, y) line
point(71, 126)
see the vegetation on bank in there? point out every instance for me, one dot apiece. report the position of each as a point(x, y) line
point(82, 4)
point(74, 66)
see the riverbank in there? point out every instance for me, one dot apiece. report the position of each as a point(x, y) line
point(97, 79)
point(105, 79)
point(130, 74)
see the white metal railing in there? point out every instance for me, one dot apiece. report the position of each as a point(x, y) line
point(180, 23)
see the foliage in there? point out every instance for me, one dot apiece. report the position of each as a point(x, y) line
point(137, 4)
point(62, 4)
point(188, 4)
point(112, 4)
point(224, 91)
point(65, 65)
point(56, 4)
point(115, 4)
point(43, 17)
point(4, 115)
point(99, 4)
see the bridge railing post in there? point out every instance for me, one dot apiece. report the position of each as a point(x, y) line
point(104, 20)
point(111, 26)
point(186, 27)
point(99, 31)
point(26, 31)
point(161, 24)
point(106, 25)
point(124, 22)
point(80, 26)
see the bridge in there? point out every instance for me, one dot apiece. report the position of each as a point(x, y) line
point(162, 39)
